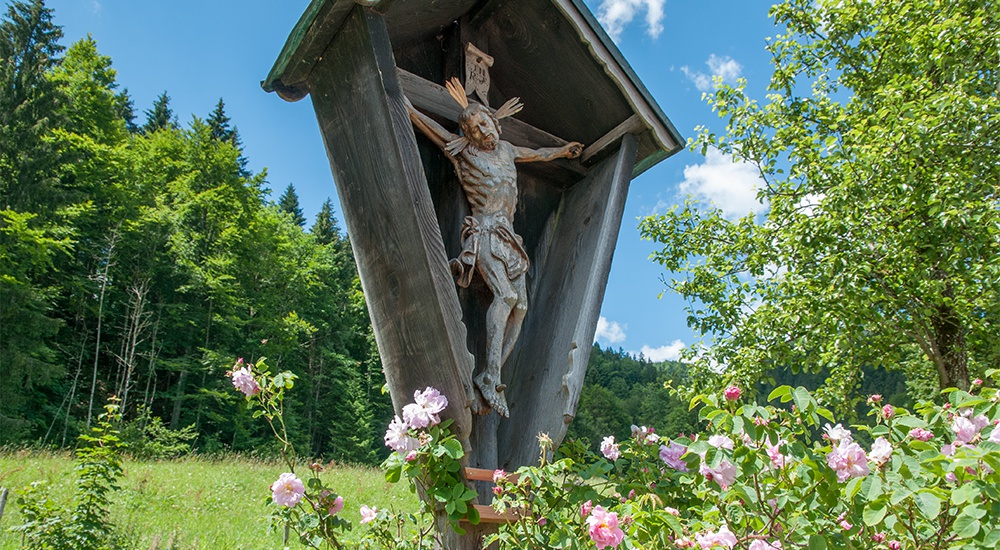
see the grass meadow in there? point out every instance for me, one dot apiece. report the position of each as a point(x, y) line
point(193, 503)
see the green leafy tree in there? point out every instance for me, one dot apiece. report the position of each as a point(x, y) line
point(160, 116)
point(877, 150)
point(88, 81)
point(289, 203)
point(29, 104)
point(27, 323)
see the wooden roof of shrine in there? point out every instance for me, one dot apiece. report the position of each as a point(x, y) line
point(553, 54)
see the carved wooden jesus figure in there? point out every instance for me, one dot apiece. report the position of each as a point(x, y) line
point(485, 165)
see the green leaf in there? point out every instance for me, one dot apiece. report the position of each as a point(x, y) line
point(817, 542)
point(875, 489)
point(473, 515)
point(784, 392)
point(966, 527)
point(928, 504)
point(874, 514)
point(453, 448)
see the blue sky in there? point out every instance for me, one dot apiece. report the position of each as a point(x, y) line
point(199, 51)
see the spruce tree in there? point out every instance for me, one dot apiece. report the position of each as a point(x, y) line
point(126, 110)
point(160, 116)
point(325, 228)
point(219, 123)
point(289, 202)
point(222, 131)
point(29, 103)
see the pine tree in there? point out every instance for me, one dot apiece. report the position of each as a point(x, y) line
point(289, 202)
point(126, 110)
point(219, 123)
point(325, 228)
point(29, 103)
point(222, 131)
point(160, 116)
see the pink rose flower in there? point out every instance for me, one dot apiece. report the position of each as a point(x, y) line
point(878, 537)
point(585, 508)
point(671, 456)
point(774, 453)
point(732, 393)
point(965, 430)
point(499, 475)
point(724, 474)
point(995, 436)
point(848, 459)
point(243, 380)
point(921, 434)
point(424, 411)
point(762, 545)
point(888, 412)
point(610, 449)
point(672, 511)
point(723, 538)
point(895, 545)
point(838, 432)
point(720, 442)
point(288, 490)
point(337, 506)
point(603, 528)
point(881, 451)
point(874, 398)
point(368, 514)
point(398, 438)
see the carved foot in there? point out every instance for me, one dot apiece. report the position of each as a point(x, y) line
point(491, 389)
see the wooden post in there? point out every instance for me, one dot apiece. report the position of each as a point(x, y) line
point(545, 372)
point(380, 181)
point(3, 501)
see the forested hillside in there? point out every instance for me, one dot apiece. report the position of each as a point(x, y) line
point(621, 390)
point(139, 257)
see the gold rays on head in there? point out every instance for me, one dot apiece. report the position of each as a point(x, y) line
point(457, 92)
point(512, 107)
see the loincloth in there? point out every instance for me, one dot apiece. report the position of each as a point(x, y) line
point(504, 245)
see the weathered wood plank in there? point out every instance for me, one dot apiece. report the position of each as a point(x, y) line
point(545, 373)
point(434, 99)
point(631, 125)
point(389, 215)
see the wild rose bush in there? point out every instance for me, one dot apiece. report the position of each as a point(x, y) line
point(760, 478)
point(769, 477)
point(427, 454)
point(309, 507)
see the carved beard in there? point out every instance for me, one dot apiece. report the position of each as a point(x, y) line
point(490, 142)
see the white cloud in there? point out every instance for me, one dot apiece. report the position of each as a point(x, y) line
point(728, 184)
point(96, 6)
point(610, 331)
point(726, 68)
point(669, 352)
point(615, 14)
point(809, 203)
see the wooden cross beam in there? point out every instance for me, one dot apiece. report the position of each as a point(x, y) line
point(434, 99)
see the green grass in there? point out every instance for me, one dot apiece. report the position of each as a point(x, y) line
point(194, 503)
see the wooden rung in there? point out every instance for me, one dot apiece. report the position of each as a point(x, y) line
point(488, 515)
point(479, 474)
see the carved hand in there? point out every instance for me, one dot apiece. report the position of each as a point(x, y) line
point(573, 149)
